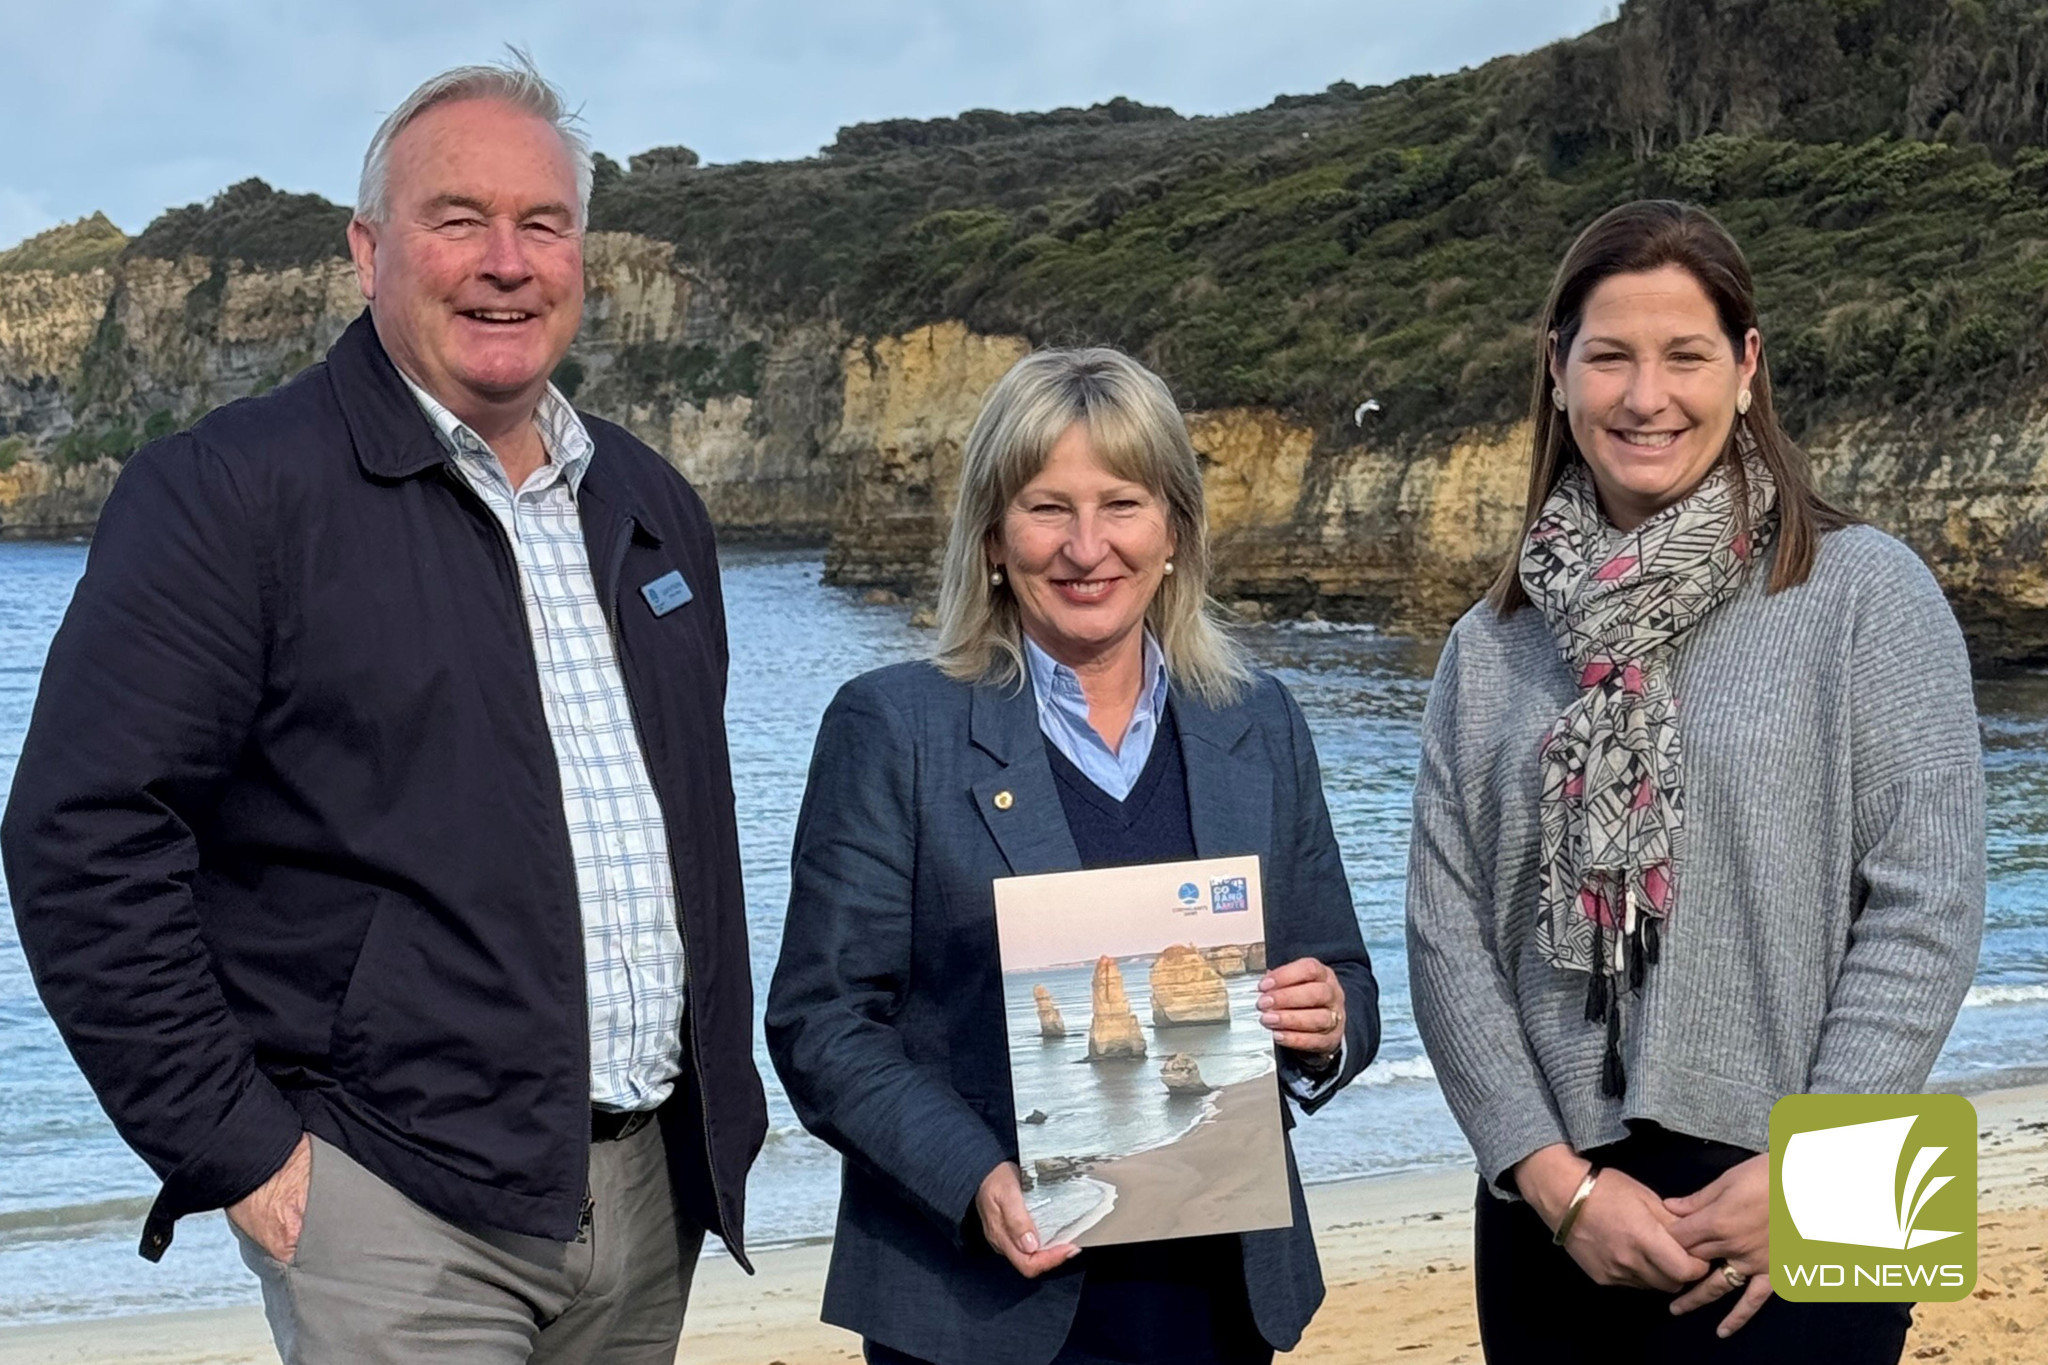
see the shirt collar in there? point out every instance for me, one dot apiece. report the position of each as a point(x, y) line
point(568, 441)
point(1053, 681)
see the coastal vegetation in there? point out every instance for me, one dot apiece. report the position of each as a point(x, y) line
point(1882, 161)
point(89, 244)
point(252, 223)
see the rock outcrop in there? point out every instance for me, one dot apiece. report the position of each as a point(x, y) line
point(1187, 990)
point(1050, 1170)
point(1228, 959)
point(1113, 1030)
point(1050, 1024)
point(1182, 1076)
point(37, 498)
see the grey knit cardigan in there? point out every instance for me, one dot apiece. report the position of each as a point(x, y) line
point(1830, 883)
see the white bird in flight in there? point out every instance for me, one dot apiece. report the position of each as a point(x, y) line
point(1369, 405)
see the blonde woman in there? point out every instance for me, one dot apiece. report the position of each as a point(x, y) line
point(1084, 710)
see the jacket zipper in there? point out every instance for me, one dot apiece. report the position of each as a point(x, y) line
point(511, 561)
point(611, 615)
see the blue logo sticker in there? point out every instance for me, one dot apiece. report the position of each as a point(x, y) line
point(666, 593)
point(1228, 895)
point(1189, 893)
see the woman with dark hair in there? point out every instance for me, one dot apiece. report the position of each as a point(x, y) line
point(1699, 824)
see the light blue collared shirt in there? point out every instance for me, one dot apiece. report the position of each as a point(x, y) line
point(1063, 718)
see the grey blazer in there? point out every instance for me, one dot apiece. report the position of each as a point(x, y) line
point(885, 1017)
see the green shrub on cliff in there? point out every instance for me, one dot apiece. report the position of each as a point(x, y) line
point(87, 445)
point(1880, 160)
point(693, 373)
point(252, 223)
point(89, 244)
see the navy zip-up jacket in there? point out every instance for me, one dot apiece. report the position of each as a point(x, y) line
point(286, 842)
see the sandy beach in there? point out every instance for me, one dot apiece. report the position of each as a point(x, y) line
point(1149, 1186)
point(1396, 1252)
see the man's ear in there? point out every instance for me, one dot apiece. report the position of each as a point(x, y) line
point(362, 249)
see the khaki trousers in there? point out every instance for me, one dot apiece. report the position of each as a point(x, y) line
point(377, 1280)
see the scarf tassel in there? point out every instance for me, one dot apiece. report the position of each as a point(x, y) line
point(1613, 1078)
point(1597, 991)
point(1640, 950)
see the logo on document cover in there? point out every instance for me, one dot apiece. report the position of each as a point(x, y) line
point(1873, 1198)
point(1229, 894)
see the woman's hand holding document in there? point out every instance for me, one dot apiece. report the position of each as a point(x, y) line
point(1162, 1119)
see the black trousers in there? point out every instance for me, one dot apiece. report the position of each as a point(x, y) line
point(1536, 1306)
point(1154, 1303)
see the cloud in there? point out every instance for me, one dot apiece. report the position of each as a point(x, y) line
point(136, 107)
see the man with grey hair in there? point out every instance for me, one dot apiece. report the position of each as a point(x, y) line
point(373, 841)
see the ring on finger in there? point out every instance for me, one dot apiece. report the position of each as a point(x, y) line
point(1736, 1279)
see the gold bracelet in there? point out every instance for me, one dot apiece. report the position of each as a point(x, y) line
point(1571, 1214)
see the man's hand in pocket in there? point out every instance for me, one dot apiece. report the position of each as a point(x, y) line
point(272, 1213)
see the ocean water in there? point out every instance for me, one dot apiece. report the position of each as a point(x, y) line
point(72, 1201)
point(1119, 1106)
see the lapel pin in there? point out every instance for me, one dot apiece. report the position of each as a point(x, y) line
point(1004, 800)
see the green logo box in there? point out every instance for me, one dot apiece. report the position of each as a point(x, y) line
point(1873, 1198)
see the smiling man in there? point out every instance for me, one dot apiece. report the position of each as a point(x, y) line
point(373, 841)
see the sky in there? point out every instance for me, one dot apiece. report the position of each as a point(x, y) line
point(133, 106)
point(1073, 917)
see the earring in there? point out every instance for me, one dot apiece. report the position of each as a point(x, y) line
point(1557, 397)
point(995, 577)
point(1742, 403)
point(1169, 566)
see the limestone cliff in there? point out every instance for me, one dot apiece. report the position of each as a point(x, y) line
point(1409, 537)
point(93, 361)
point(47, 319)
point(908, 403)
point(792, 428)
point(53, 500)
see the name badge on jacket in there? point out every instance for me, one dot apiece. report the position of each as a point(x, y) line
point(666, 593)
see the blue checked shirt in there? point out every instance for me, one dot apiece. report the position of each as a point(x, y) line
point(1063, 719)
point(632, 949)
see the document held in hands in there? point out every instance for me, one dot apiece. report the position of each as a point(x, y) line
point(1148, 1104)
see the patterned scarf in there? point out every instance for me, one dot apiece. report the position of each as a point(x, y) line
point(1613, 776)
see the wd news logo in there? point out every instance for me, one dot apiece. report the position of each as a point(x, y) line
point(1873, 1198)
